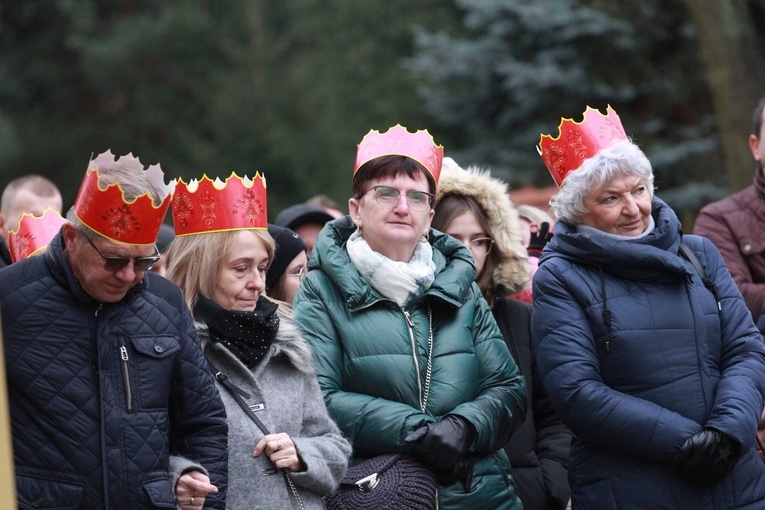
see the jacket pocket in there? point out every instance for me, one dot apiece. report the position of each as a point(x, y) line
point(160, 492)
point(42, 494)
point(148, 371)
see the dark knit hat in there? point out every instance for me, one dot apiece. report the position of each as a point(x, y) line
point(288, 246)
point(300, 214)
point(165, 237)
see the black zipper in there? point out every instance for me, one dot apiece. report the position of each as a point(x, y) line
point(126, 376)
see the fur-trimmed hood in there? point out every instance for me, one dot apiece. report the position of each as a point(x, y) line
point(513, 271)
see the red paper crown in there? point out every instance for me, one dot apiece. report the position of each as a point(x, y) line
point(206, 206)
point(578, 141)
point(397, 141)
point(106, 211)
point(33, 233)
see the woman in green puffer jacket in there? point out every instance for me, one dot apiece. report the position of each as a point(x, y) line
point(408, 355)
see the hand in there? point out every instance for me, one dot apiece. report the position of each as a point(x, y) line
point(281, 450)
point(706, 458)
point(462, 471)
point(442, 444)
point(191, 490)
point(540, 236)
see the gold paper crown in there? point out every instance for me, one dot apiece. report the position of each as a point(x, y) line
point(578, 141)
point(397, 141)
point(106, 211)
point(203, 206)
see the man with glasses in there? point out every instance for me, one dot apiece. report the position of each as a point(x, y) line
point(112, 403)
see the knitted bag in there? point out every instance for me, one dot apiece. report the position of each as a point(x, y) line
point(386, 482)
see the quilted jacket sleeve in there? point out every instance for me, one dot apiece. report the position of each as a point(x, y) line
point(198, 418)
point(569, 366)
point(500, 407)
point(741, 390)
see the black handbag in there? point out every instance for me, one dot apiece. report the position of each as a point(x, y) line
point(392, 481)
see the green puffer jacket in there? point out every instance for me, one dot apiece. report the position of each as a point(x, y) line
point(372, 382)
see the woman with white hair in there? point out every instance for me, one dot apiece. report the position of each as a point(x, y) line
point(644, 343)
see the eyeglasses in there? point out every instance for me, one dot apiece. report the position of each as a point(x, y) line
point(388, 197)
point(300, 274)
point(481, 246)
point(114, 264)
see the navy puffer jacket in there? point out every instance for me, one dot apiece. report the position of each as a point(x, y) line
point(633, 387)
point(101, 394)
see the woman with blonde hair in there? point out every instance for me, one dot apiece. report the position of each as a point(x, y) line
point(277, 419)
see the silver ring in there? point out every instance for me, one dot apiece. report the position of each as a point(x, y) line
point(278, 445)
point(191, 500)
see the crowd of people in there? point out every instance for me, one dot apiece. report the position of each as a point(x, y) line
point(592, 356)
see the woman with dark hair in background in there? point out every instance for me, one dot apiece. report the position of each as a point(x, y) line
point(475, 209)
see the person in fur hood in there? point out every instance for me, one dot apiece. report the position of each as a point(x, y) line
point(257, 353)
point(474, 208)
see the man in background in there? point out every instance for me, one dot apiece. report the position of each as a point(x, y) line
point(736, 225)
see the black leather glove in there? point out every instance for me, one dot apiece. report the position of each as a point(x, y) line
point(442, 444)
point(540, 236)
point(462, 471)
point(706, 458)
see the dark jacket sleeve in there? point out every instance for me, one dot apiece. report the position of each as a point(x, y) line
point(500, 407)
point(198, 420)
point(542, 453)
point(741, 391)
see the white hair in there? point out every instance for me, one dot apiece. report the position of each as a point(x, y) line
point(622, 158)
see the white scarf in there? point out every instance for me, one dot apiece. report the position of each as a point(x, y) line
point(399, 281)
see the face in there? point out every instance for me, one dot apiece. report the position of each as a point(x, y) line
point(466, 229)
point(757, 144)
point(88, 265)
point(392, 231)
point(30, 203)
point(160, 267)
point(293, 275)
point(622, 207)
point(242, 275)
point(308, 232)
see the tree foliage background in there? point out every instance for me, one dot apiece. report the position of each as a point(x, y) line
point(290, 88)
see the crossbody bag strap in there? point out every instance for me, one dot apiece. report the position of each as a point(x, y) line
point(686, 252)
point(239, 395)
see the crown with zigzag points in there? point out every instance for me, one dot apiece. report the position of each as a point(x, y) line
point(33, 233)
point(103, 208)
point(203, 206)
point(578, 141)
point(398, 141)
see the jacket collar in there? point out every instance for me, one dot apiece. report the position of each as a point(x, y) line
point(652, 258)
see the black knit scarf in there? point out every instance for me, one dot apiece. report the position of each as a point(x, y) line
point(248, 335)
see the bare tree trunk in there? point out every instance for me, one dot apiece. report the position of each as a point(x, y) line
point(729, 51)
